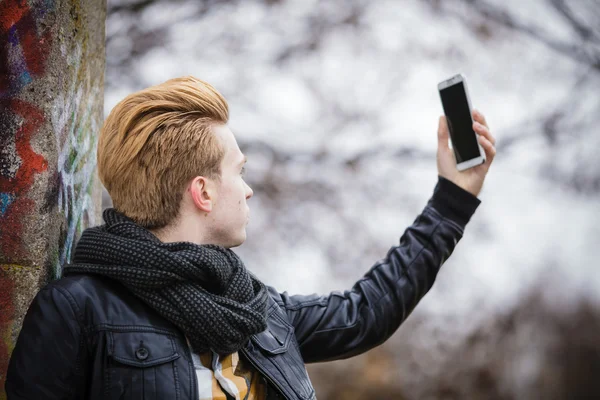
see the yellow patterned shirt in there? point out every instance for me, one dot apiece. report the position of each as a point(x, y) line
point(227, 377)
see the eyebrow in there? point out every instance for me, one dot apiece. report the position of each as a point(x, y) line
point(243, 161)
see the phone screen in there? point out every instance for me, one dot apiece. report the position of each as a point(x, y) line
point(460, 124)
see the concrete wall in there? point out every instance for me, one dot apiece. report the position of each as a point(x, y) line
point(51, 101)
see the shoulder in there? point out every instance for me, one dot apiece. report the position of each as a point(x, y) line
point(102, 303)
point(79, 283)
point(83, 288)
point(84, 294)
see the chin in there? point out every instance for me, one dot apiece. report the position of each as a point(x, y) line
point(238, 241)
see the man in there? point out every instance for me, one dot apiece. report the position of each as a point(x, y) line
point(157, 306)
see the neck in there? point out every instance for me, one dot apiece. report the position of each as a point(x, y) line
point(184, 229)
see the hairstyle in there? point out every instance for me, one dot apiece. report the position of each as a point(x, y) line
point(154, 141)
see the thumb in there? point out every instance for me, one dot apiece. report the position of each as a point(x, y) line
point(443, 133)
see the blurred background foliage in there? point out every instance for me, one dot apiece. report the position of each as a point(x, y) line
point(335, 104)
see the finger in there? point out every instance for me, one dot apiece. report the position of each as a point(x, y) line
point(443, 133)
point(488, 147)
point(484, 131)
point(479, 117)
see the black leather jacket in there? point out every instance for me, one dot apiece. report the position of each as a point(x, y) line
point(87, 337)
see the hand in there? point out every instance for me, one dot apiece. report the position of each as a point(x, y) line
point(471, 179)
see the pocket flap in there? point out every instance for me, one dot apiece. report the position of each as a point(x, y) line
point(142, 349)
point(276, 338)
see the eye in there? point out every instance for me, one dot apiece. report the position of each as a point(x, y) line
point(243, 172)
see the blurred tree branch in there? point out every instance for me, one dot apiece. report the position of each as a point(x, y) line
point(565, 123)
point(585, 50)
point(129, 40)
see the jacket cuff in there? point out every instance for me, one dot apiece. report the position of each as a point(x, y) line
point(453, 202)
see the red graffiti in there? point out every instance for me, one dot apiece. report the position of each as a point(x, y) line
point(31, 164)
point(35, 49)
point(12, 11)
point(23, 54)
point(23, 48)
point(25, 44)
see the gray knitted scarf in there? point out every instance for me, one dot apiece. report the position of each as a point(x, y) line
point(204, 290)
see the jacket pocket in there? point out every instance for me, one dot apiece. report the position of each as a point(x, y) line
point(141, 366)
point(281, 358)
point(277, 337)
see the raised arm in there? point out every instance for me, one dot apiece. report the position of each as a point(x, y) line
point(341, 325)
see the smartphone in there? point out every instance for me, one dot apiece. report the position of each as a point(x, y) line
point(457, 108)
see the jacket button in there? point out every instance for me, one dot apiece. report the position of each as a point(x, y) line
point(141, 353)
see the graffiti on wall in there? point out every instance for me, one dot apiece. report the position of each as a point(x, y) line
point(49, 112)
point(23, 53)
point(24, 48)
point(73, 122)
point(75, 125)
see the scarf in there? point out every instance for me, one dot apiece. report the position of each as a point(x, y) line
point(205, 290)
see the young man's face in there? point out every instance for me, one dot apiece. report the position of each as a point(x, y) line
point(230, 213)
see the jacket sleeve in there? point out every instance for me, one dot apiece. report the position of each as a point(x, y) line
point(341, 325)
point(46, 362)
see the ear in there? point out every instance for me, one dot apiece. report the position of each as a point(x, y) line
point(203, 192)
